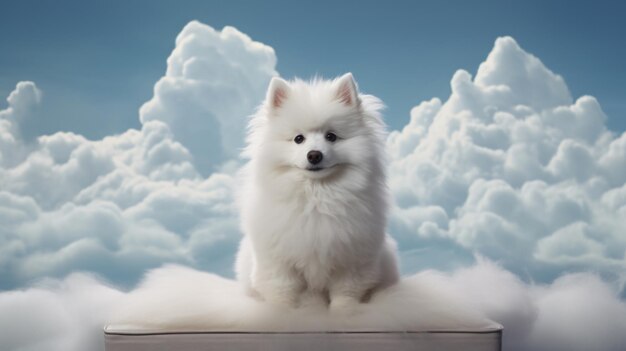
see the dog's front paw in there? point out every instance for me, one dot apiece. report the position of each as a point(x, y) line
point(313, 300)
point(344, 304)
point(281, 299)
point(278, 292)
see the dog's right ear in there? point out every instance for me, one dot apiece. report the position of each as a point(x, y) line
point(277, 93)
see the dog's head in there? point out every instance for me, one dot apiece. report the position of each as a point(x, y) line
point(317, 129)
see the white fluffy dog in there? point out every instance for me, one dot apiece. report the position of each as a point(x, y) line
point(314, 199)
point(314, 205)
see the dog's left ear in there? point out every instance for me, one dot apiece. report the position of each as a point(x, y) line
point(347, 91)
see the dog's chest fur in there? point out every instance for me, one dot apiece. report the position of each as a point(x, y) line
point(323, 230)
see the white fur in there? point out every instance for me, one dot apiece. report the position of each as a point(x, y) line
point(316, 236)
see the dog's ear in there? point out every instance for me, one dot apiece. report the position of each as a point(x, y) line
point(277, 93)
point(347, 91)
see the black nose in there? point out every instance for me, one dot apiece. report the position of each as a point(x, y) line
point(314, 157)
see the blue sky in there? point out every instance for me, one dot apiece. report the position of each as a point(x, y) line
point(97, 61)
point(123, 122)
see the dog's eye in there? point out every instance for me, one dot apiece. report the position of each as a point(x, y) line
point(298, 139)
point(330, 136)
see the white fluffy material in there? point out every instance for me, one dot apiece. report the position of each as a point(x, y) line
point(177, 298)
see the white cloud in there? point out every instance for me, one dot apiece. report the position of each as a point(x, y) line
point(21, 103)
point(214, 81)
point(115, 206)
point(511, 77)
point(131, 201)
point(512, 167)
point(135, 199)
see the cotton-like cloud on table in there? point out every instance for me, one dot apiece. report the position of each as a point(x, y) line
point(577, 312)
point(512, 167)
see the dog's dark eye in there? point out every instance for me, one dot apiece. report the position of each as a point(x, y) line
point(298, 139)
point(330, 136)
